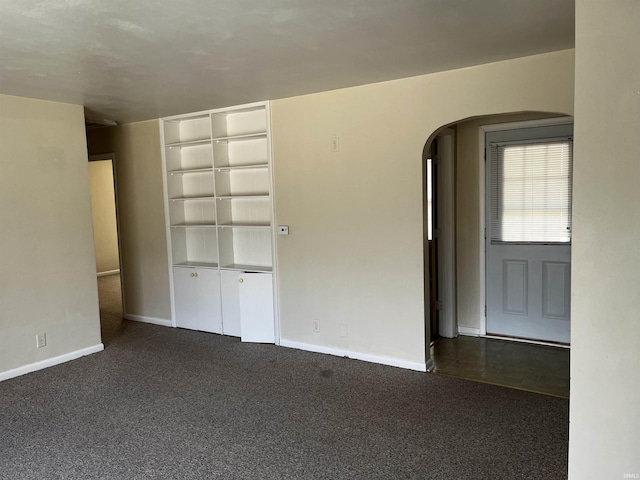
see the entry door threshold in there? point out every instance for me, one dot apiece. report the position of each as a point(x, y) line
point(527, 340)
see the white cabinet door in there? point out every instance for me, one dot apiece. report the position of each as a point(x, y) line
point(256, 307)
point(197, 299)
point(230, 302)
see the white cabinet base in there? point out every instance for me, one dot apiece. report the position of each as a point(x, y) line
point(230, 302)
point(197, 299)
point(256, 307)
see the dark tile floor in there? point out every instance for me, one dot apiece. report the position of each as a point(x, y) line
point(535, 368)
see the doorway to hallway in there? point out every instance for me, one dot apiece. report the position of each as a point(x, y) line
point(103, 190)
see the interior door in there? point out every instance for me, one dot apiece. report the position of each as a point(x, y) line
point(528, 240)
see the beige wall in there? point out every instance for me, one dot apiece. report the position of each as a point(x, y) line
point(355, 255)
point(605, 327)
point(470, 298)
point(103, 209)
point(47, 281)
point(143, 247)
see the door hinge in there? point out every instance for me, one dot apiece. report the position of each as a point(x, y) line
point(436, 233)
point(485, 311)
point(436, 305)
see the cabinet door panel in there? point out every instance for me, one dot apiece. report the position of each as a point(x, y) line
point(197, 299)
point(256, 307)
point(230, 302)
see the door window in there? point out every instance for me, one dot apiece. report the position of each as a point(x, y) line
point(531, 192)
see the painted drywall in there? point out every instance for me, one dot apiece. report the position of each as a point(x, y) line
point(48, 277)
point(470, 300)
point(103, 209)
point(143, 240)
point(354, 256)
point(605, 354)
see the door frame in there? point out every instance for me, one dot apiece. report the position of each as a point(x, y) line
point(482, 131)
point(112, 157)
point(448, 319)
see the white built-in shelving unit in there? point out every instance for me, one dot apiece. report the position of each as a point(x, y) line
point(219, 212)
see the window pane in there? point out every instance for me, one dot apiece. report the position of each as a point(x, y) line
point(532, 195)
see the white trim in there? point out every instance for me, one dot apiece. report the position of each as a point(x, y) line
point(108, 272)
point(482, 131)
point(274, 236)
point(167, 223)
point(50, 362)
point(155, 321)
point(470, 331)
point(447, 242)
point(526, 340)
point(393, 362)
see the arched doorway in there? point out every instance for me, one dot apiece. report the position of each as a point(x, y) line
point(467, 202)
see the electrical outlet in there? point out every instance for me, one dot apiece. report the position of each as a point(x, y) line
point(343, 330)
point(316, 326)
point(41, 340)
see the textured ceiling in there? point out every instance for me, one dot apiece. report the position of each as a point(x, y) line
point(131, 60)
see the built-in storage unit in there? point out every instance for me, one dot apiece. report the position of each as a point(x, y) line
point(219, 213)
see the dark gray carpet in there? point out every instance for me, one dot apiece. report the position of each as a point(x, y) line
point(175, 404)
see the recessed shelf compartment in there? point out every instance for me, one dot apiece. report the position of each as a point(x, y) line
point(200, 211)
point(244, 211)
point(195, 157)
point(251, 150)
point(242, 182)
point(190, 170)
point(237, 123)
point(193, 143)
point(240, 167)
point(246, 268)
point(198, 183)
point(189, 129)
point(191, 225)
point(196, 264)
point(194, 245)
point(245, 248)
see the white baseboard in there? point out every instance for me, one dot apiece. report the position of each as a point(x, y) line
point(473, 332)
point(108, 272)
point(50, 362)
point(393, 362)
point(155, 321)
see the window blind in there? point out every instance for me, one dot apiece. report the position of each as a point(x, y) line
point(530, 192)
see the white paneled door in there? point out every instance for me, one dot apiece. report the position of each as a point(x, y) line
point(528, 291)
point(528, 241)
